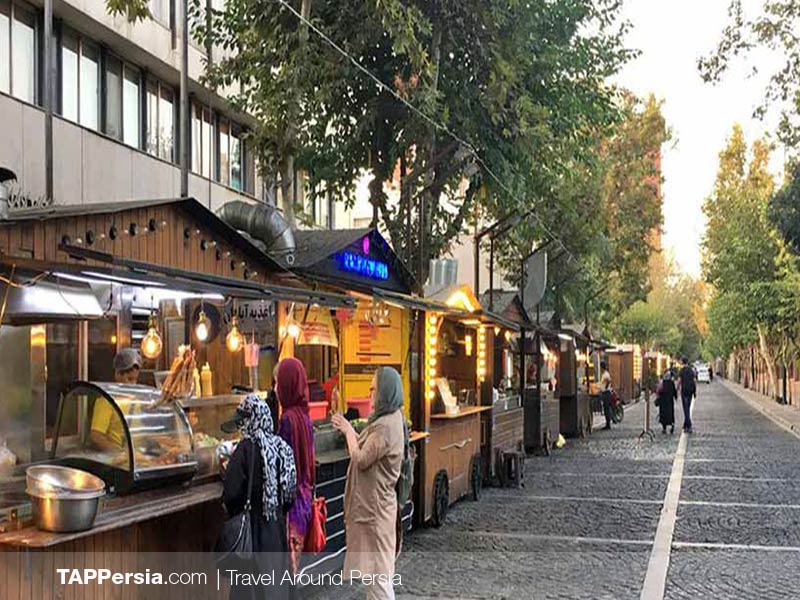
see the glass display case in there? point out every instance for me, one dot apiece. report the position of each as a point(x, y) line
point(120, 433)
point(211, 444)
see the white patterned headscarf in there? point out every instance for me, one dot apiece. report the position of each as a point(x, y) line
point(276, 455)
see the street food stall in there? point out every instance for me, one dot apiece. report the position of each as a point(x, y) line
point(622, 365)
point(505, 445)
point(576, 410)
point(343, 347)
point(542, 406)
point(81, 283)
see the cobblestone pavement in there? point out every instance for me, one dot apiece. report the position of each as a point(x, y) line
point(585, 523)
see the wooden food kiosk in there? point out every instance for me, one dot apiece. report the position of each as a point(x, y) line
point(621, 367)
point(455, 370)
point(342, 347)
point(575, 403)
point(87, 281)
point(505, 445)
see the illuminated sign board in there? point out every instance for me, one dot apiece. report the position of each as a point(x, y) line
point(363, 265)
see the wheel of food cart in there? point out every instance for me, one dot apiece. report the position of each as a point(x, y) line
point(476, 477)
point(441, 498)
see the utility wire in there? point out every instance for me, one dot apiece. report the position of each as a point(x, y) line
point(428, 119)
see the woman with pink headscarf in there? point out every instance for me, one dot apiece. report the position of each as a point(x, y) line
point(295, 428)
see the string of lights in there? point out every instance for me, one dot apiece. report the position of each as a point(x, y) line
point(431, 121)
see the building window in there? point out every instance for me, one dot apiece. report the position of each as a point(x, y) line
point(89, 86)
point(230, 154)
point(160, 120)
point(236, 159)
point(202, 141)
point(5, 46)
point(122, 101)
point(80, 80)
point(160, 9)
point(113, 97)
point(131, 111)
point(70, 49)
point(18, 51)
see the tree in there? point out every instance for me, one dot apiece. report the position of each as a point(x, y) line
point(649, 325)
point(774, 28)
point(522, 85)
point(607, 210)
point(745, 261)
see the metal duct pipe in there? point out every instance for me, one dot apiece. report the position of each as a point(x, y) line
point(263, 222)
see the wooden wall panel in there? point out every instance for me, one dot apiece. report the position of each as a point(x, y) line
point(166, 246)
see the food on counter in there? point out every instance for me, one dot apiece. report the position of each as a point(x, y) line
point(179, 382)
point(203, 440)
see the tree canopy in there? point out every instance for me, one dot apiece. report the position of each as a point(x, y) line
point(521, 85)
point(753, 276)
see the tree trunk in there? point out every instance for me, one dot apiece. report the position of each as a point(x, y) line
point(427, 200)
point(769, 361)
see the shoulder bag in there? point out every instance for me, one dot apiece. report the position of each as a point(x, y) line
point(235, 543)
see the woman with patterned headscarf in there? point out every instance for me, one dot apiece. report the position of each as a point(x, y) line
point(371, 511)
point(291, 387)
point(273, 490)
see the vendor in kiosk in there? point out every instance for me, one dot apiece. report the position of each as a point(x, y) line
point(106, 431)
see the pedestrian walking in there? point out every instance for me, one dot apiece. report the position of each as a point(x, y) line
point(605, 393)
point(291, 387)
point(271, 462)
point(666, 395)
point(371, 510)
point(688, 388)
point(710, 374)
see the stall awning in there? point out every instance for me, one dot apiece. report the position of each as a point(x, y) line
point(126, 271)
point(417, 303)
point(33, 297)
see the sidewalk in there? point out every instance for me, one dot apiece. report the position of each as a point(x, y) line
point(784, 415)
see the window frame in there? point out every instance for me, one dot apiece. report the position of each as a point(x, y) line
point(13, 7)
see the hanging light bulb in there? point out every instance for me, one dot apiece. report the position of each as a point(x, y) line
point(293, 329)
point(234, 340)
point(151, 342)
point(201, 330)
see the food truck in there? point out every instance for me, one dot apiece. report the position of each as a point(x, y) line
point(80, 283)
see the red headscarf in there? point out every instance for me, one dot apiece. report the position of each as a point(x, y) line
point(292, 388)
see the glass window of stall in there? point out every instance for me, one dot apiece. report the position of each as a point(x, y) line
point(457, 355)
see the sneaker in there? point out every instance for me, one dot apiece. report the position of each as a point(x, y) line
point(607, 427)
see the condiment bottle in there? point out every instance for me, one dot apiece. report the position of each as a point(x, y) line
point(198, 391)
point(205, 381)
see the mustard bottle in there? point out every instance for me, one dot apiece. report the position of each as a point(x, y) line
point(205, 381)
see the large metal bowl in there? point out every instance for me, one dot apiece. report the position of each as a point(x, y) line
point(46, 480)
point(63, 499)
point(64, 514)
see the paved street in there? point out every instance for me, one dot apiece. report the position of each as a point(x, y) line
point(586, 523)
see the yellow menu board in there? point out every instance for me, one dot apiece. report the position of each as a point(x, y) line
point(370, 345)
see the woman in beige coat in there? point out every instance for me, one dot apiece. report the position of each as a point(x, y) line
point(370, 499)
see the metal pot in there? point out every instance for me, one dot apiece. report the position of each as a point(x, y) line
point(63, 499)
point(64, 514)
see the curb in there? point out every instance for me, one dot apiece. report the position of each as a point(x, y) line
point(778, 420)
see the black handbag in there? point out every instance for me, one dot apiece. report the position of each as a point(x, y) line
point(234, 547)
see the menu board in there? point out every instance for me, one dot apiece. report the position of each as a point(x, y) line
point(372, 344)
point(316, 326)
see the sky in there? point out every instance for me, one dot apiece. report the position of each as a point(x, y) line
point(671, 37)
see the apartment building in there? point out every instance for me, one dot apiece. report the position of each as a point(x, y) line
point(116, 109)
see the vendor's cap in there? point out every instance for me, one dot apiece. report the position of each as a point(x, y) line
point(126, 359)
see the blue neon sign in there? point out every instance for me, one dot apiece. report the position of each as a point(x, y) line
point(363, 265)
